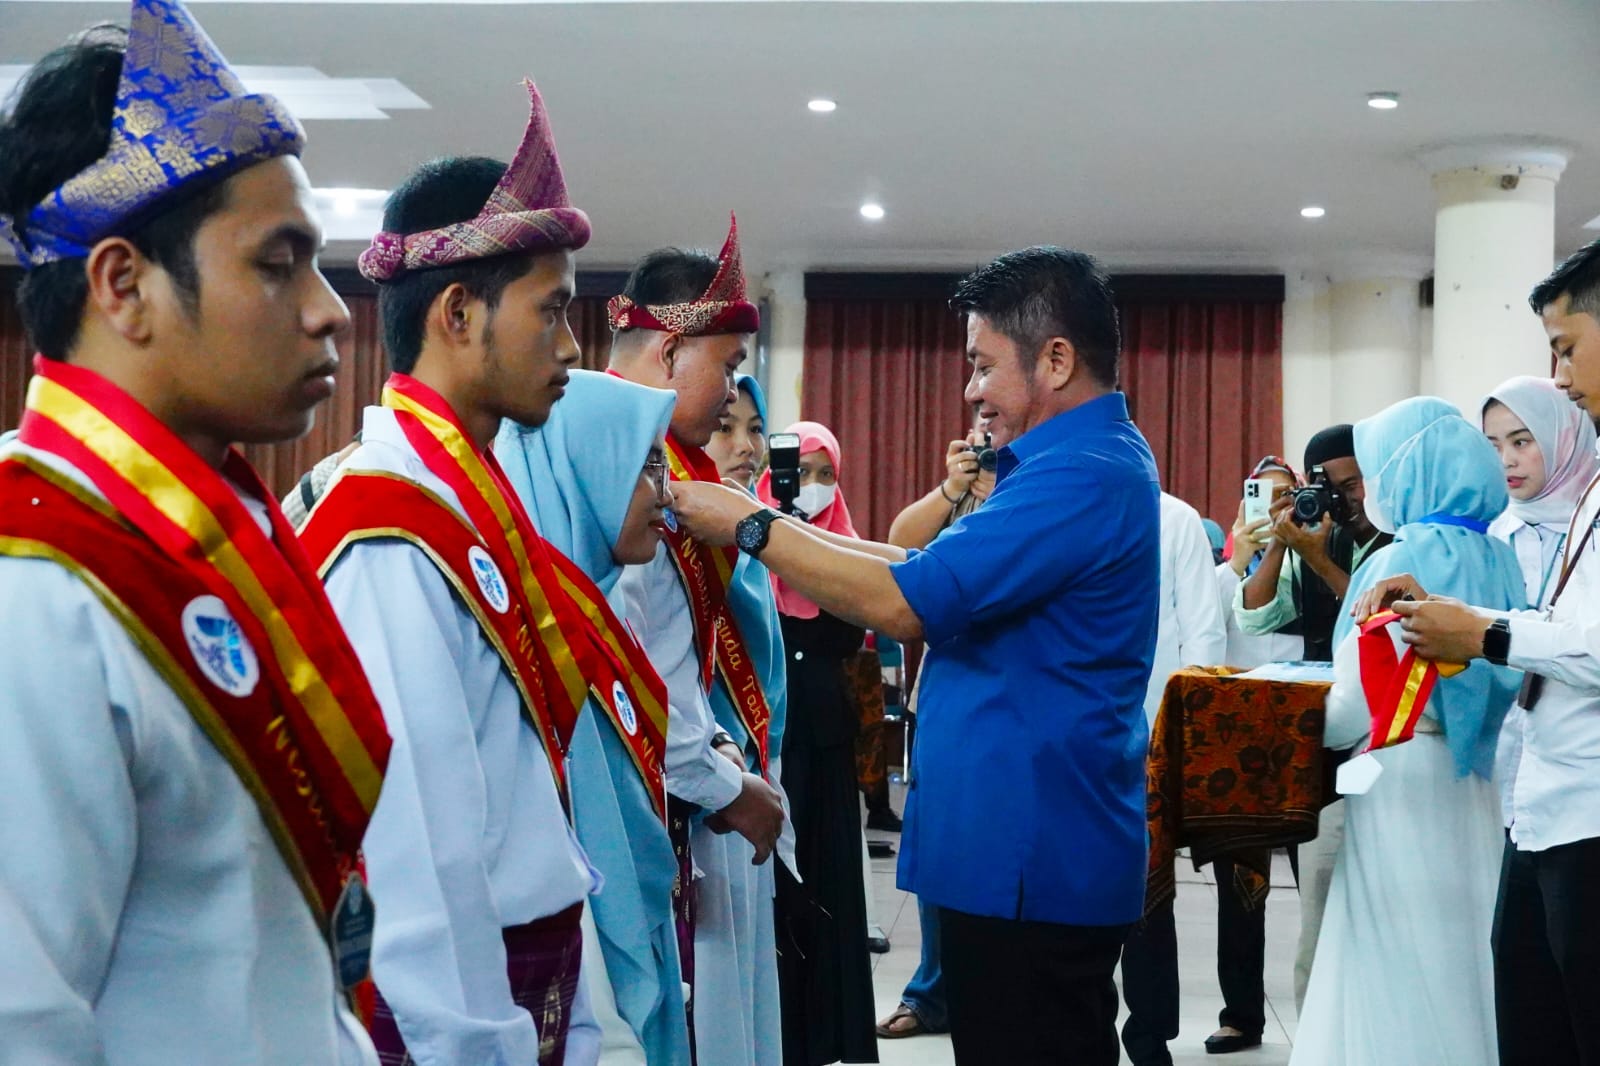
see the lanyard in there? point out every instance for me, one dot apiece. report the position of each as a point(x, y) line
point(1571, 562)
point(1549, 568)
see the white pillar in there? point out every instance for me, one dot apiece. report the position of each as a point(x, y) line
point(785, 291)
point(1494, 239)
point(1373, 326)
point(1307, 362)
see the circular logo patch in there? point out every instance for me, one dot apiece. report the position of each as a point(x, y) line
point(625, 712)
point(490, 582)
point(219, 646)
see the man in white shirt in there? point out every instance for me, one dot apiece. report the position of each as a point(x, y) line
point(1191, 632)
point(1547, 921)
point(682, 324)
point(450, 600)
point(181, 819)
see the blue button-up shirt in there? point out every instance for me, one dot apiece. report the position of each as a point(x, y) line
point(1039, 611)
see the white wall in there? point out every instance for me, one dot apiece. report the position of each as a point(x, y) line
point(1307, 361)
point(786, 291)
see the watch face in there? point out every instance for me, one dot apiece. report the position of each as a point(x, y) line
point(750, 534)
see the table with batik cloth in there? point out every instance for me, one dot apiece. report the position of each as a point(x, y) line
point(1236, 769)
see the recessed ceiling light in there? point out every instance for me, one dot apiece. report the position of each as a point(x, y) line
point(1383, 101)
point(822, 105)
point(1313, 212)
point(872, 212)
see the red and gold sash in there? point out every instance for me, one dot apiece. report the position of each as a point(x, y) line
point(707, 575)
point(1397, 687)
point(552, 627)
point(233, 620)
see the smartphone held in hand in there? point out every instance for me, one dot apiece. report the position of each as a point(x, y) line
point(1257, 504)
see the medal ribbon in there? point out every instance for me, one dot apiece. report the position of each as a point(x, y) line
point(1397, 688)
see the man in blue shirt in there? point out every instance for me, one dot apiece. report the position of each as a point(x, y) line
point(1026, 824)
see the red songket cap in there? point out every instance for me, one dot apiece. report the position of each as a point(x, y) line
point(528, 212)
point(722, 308)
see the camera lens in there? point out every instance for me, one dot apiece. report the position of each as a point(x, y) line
point(1309, 504)
point(988, 460)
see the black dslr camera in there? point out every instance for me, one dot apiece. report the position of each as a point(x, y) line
point(1318, 498)
point(988, 458)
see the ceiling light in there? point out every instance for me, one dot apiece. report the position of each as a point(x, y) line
point(1313, 212)
point(350, 214)
point(872, 212)
point(1383, 101)
point(822, 105)
point(305, 91)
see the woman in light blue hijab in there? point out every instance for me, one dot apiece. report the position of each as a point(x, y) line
point(591, 478)
point(739, 449)
point(1403, 973)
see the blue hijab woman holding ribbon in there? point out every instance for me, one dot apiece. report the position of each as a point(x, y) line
point(593, 478)
point(1403, 973)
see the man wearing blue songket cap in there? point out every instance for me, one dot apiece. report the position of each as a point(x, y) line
point(189, 746)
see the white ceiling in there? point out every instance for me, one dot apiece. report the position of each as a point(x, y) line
point(1157, 135)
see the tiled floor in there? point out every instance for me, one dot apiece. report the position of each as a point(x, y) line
point(1197, 932)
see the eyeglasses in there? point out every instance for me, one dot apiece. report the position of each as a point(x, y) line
point(655, 468)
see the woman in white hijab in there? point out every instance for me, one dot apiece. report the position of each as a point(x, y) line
point(1547, 447)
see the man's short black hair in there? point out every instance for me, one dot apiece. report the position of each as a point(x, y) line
point(1578, 279)
point(59, 123)
point(441, 193)
point(671, 276)
point(1039, 293)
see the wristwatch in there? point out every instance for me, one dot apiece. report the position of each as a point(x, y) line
point(753, 530)
point(1497, 641)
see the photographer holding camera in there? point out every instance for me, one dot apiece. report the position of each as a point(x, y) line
point(1320, 534)
point(969, 477)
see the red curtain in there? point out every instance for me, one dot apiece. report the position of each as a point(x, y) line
point(886, 376)
point(363, 366)
point(1202, 367)
point(1205, 383)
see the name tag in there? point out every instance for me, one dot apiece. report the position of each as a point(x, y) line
point(352, 932)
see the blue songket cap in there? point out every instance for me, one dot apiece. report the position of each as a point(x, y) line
point(182, 118)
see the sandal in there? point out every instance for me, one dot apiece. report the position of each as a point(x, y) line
point(903, 1022)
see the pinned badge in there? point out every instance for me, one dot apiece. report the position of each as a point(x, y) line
point(219, 646)
point(490, 581)
point(625, 712)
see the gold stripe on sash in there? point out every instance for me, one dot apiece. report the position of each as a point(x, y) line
point(179, 504)
point(1407, 701)
point(545, 623)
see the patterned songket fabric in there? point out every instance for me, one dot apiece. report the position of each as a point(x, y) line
point(722, 308)
point(182, 116)
point(529, 211)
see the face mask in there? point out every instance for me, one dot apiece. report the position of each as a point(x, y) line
point(814, 498)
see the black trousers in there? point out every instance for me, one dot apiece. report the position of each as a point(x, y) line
point(1030, 993)
point(1241, 956)
point(1150, 987)
point(1547, 956)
